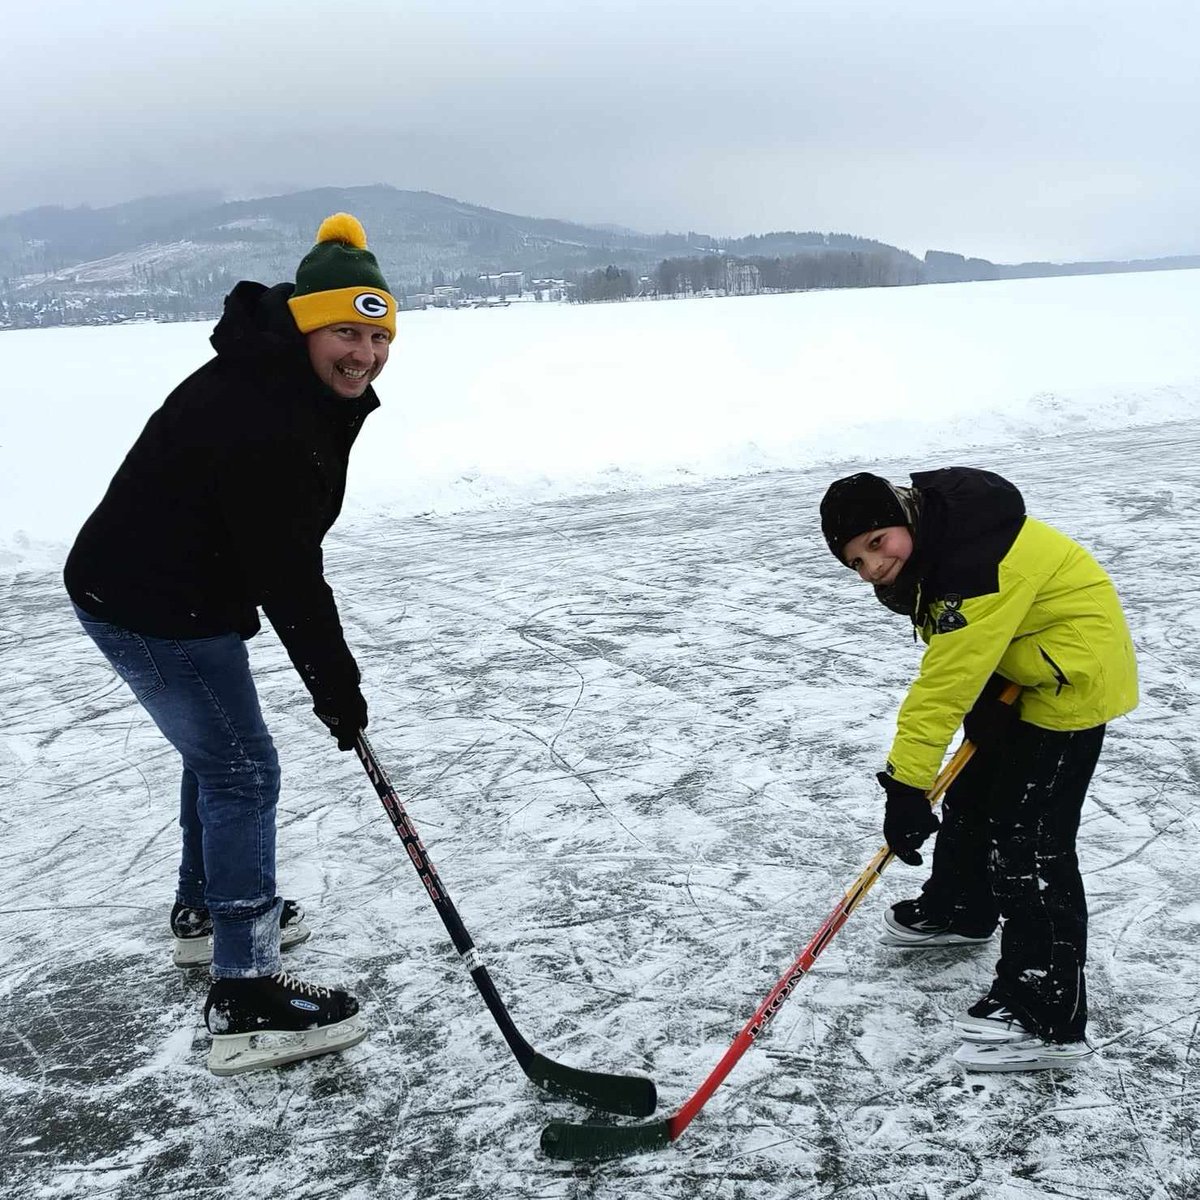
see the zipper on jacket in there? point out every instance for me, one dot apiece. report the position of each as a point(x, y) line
point(1063, 681)
point(917, 619)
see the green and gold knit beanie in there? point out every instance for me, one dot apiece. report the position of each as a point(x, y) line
point(339, 280)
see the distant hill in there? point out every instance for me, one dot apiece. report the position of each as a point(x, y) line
point(944, 267)
point(177, 256)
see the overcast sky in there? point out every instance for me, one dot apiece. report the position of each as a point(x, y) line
point(1011, 129)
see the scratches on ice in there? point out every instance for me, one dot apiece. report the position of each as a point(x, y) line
point(638, 735)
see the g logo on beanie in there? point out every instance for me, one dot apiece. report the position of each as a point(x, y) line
point(371, 304)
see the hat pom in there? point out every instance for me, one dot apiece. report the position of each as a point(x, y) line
point(342, 227)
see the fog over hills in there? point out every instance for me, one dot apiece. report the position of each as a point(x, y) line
point(177, 256)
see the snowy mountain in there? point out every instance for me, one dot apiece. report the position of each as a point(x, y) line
point(176, 257)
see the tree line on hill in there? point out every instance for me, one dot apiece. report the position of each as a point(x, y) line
point(172, 294)
point(732, 275)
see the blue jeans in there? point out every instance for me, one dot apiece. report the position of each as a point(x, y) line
point(201, 695)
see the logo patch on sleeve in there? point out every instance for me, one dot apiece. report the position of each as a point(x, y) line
point(950, 618)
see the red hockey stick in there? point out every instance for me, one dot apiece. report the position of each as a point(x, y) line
point(587, 1140)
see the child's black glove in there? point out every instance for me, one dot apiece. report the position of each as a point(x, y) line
point(344, 717)
point(907, 821)
point(990, 723)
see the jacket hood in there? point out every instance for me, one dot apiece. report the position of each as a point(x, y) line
point(257, 330)
point(257, 324)
point(964, 503)
point(961, 515)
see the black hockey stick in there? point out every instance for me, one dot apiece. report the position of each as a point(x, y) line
point(590, 1141)
point(629, 1095)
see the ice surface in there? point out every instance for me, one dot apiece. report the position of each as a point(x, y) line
point(637, 733)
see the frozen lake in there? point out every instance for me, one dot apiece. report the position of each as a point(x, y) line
point(542, 401)
point(638, 732)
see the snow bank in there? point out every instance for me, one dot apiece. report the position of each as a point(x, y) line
point(540, 401)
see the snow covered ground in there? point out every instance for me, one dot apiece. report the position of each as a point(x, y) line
point(637, 730)
point(542, 401)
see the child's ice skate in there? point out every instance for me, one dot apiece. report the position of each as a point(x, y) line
point(908, 924)
point(990, 1021)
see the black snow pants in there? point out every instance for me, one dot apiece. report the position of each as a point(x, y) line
point(1007, 849)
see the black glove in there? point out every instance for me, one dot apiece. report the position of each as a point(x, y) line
point(990, 723)
point(344, 716)
point(907, 821)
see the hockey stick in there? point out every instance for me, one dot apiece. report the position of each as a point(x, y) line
point(588, 1140)
point(629, 1095)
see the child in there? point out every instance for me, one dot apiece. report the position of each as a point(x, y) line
point(996, 596)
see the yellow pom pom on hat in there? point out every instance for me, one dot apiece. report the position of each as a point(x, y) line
point(339, 280)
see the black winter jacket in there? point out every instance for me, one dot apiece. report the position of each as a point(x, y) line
point(223, 501)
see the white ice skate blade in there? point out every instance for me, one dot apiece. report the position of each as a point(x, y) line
point(192, 952)
point(198, 952)
point(924, 941)
point(293, 934)
point(1030, 1054)
point(237, 1053)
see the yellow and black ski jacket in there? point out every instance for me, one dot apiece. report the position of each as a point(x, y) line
point(998, 592)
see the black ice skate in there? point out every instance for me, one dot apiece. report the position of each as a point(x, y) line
point(908, 924)
point(193, 932)
point(991, 1021)
point(265, 1022)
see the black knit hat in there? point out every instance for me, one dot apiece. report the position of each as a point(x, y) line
point(857, 504)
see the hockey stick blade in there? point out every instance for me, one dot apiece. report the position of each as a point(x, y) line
point(628, 1095)
point(591, 1142)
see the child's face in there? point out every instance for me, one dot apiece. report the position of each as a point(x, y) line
point(879, 555)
